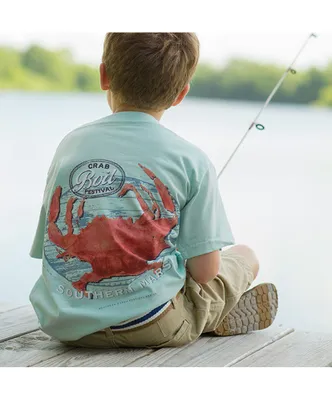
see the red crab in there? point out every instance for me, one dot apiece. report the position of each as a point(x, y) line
point(118, 246)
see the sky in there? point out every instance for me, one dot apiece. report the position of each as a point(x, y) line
point(216, 48)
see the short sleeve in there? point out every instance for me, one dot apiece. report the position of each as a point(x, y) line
point(38, 242)
point(204, 226)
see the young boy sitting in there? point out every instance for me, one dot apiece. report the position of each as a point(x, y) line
point(132, 222)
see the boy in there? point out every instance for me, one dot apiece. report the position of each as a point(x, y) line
point(132, 222)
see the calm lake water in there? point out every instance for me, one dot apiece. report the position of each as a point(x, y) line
point(277, 190)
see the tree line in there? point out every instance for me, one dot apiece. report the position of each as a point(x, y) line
point(40, 69)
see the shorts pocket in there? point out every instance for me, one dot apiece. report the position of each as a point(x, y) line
point(181, 337)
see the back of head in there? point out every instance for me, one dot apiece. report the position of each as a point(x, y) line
point(149, 70)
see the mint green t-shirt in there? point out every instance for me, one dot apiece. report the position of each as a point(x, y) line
point(126, 202)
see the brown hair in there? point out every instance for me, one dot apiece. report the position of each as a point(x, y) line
point(149, 70)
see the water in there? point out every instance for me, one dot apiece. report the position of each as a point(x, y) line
point(277, 190)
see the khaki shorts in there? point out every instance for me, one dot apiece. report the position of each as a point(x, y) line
point(197, 309)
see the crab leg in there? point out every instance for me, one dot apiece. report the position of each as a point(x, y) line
point(55, 205)
point(69, 215)
point(155, 206)
point(80, 210)
point(81, 284)
point(140, 199)
point(54, 232)
point(162, 190)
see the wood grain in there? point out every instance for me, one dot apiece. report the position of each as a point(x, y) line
point(22, 344)
point(300, 349)
point(8, 306)
point(213, 351)
point(29, 349)
point(95, 358)
point(17, 322)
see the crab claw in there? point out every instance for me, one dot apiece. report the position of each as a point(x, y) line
point(162, 189)
point(148, 172)
point(126, 188)
point(55, 205)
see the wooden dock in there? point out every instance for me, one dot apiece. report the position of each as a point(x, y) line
point(22, 344)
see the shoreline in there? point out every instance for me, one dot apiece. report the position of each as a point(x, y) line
point(189, 97)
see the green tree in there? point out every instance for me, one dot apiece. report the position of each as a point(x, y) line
point(53, 65)
point(86, 78)
point(40, 69)
point(206, 82)
point(325, 96)
point(312, 83)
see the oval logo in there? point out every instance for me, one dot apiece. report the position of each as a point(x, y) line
point(96, 178)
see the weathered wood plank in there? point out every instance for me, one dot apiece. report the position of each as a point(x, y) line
point(17, 322)
point(29, 349)
point(213, 351)
point(300, 349)
point(7, 306)
point(95, 358)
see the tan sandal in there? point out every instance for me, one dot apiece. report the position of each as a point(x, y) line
point(255, 310)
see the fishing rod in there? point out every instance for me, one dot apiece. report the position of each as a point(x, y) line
point(254, 123)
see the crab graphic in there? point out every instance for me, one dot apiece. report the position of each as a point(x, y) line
point(115, 246)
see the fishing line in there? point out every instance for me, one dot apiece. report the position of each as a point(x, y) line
point(258, 125)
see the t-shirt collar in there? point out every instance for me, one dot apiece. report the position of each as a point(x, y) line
point(133, 116)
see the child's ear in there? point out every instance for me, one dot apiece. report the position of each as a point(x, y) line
point(104, 82)
point(182, 95)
